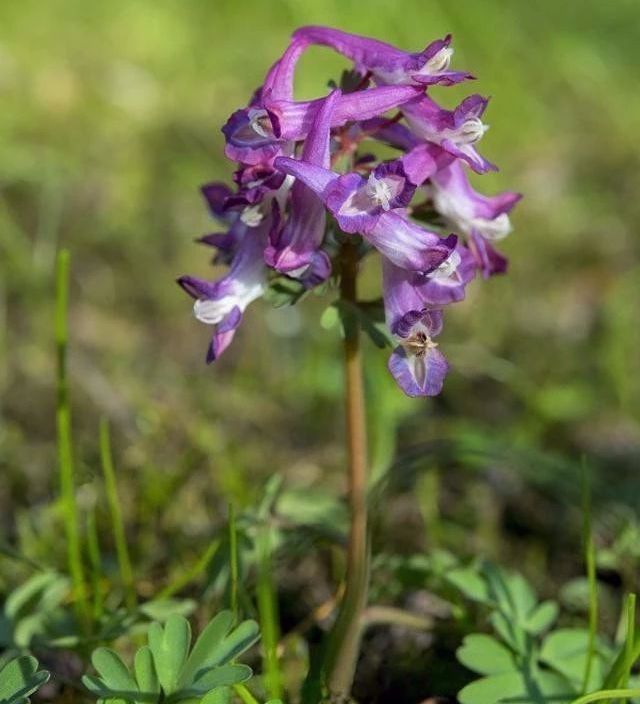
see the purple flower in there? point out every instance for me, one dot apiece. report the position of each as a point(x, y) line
point(416, 364)
point(447, 283)
point(456, 131)
point(294, 247)
point(221, 303)
point(479, 217)
point(258, 134)
point(388, 64)
point(367, 206)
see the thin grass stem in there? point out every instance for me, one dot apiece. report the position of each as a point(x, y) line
point(269, 618)
point(95, 560)
point(590, 560)
point(233, 562)
point(188, 576)
point(65, 444)
point(115, 511)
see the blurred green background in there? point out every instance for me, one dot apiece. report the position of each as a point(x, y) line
point(110, 121)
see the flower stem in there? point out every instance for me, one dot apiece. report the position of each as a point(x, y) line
point(344, 640)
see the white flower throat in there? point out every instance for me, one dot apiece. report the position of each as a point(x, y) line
point(438, 63)
point(379, 191)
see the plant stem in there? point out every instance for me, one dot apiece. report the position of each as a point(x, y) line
point(117, 523)
point(344, 640)
point(233, 563)
point(65, 452)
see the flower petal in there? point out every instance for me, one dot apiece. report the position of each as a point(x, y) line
point(419, 375)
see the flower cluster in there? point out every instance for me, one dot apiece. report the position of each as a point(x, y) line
point(303, 183)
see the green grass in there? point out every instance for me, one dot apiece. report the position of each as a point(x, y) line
point(110, 122)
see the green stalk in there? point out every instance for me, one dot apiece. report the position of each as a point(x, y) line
point(65, 451)
point(188, 576)
point(244, 694)
point(268, 610)
point(117, 524)
point(607, 694)
point(95, 559)
point(590, 559)
point(233, 562)
point(630, 636)
point(344, 640)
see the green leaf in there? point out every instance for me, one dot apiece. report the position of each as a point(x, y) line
point(538, 687)
point(484, 654)
point(494, 689)
point(542, 617)
point(221, 695)
point(470, 583)
point(113, 671)
point(20, 678)
point(145, 671)
point(27, 593)
point(565, 650)
point(170, 647)
point(283, 291)
point(161, 609)
point(239, 640)
point(511, 632)
point(224, 676)
point(204, 651)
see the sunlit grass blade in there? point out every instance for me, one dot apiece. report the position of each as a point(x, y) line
point(64, 440)
point(233, 563)
point(190, 575)
point(117, 524)
point(607, 694)
point(590, 560)
point(95, 560)
point(269, 619)
point(244, 694)
point(630, 619)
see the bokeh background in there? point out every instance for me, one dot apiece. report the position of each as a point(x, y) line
point(109, 124)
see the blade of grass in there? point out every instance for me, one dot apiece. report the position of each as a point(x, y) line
point(244, 694)
point(65, 451)
point(117, 524)
point(630, 614)
point(590, 560)
point(617, 670)
point(188, 576)
point(607, 694)
point(95, 560)
point(268, 611)
point(233, 562)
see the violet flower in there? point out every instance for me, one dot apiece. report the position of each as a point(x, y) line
point(221, 303)
point(456, 131)
point(286, 180)
point(369, 207)
point(387, 63)
point(483, 219)
point(416, 363)
point(296, 246)
point(259, 133)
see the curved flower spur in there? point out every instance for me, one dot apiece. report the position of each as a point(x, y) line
point(289, 196)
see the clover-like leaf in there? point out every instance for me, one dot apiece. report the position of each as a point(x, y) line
point(169, 647)
point(113, 672)
point(566, 651)
point(145, 671)
point(484, 654)
point(223, 676)
point(542, 617)
point(20, 678)
point(470, 583)
point(204, 651)
point(538, 687)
